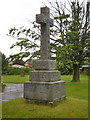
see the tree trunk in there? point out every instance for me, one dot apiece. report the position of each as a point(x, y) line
point(76, 75)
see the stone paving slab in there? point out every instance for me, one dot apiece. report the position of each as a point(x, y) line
point(11, 91)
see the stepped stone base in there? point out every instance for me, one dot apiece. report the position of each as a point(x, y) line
point(44, 91)
point(44, 75)
point(44, 84)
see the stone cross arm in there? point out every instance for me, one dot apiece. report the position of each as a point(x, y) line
point(41, 18)
point(44, 17)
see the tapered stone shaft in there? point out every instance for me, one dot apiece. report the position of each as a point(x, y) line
point(45, 22)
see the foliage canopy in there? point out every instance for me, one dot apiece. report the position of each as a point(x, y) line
point(69, 36)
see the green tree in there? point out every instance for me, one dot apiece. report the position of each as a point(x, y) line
point(29, 43)
point(74, 37)
point(4, 64)
point(69, 36)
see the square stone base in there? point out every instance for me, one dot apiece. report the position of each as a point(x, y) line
point(44, 91)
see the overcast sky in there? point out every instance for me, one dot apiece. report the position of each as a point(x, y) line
point(14, 13)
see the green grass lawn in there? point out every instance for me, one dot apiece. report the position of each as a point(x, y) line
point(75, 105)
point(70, 108)
point(76, 90)
point(14, 78)
point(19, 79)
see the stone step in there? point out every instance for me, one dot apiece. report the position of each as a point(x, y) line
point(44, 75)
point(44, 64)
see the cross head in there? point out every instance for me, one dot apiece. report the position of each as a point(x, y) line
point(46, 22)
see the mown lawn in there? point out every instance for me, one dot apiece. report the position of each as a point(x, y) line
point(70, 108)
point(76, 90)
point(75, 105)
point(19, 79)
point(14, 78)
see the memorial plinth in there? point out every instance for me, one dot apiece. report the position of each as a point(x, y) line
point(45, 84)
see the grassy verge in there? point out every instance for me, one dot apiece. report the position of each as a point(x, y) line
point(70, 108)
point(19, 79)
point(14, 78)
point(77, 90)
point(75, 106)
point(68, 78)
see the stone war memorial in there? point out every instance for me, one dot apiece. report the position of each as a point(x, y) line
point(45, 84)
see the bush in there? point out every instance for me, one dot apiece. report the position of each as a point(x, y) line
point(17, 71)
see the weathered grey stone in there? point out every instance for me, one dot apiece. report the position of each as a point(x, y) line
point(45, 22)
point(44, 84)
point(44, 75)
point(40, 18)
point(44, 64)
point(45, 91)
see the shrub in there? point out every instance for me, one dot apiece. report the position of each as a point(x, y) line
point(17, 71)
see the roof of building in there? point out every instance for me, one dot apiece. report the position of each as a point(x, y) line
point(17, 66)
point(85, 66)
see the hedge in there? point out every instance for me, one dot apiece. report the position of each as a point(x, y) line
point(16, 71)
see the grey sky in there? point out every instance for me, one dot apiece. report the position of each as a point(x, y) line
point(14, 13)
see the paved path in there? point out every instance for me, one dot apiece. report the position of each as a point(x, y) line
point(11, 91)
